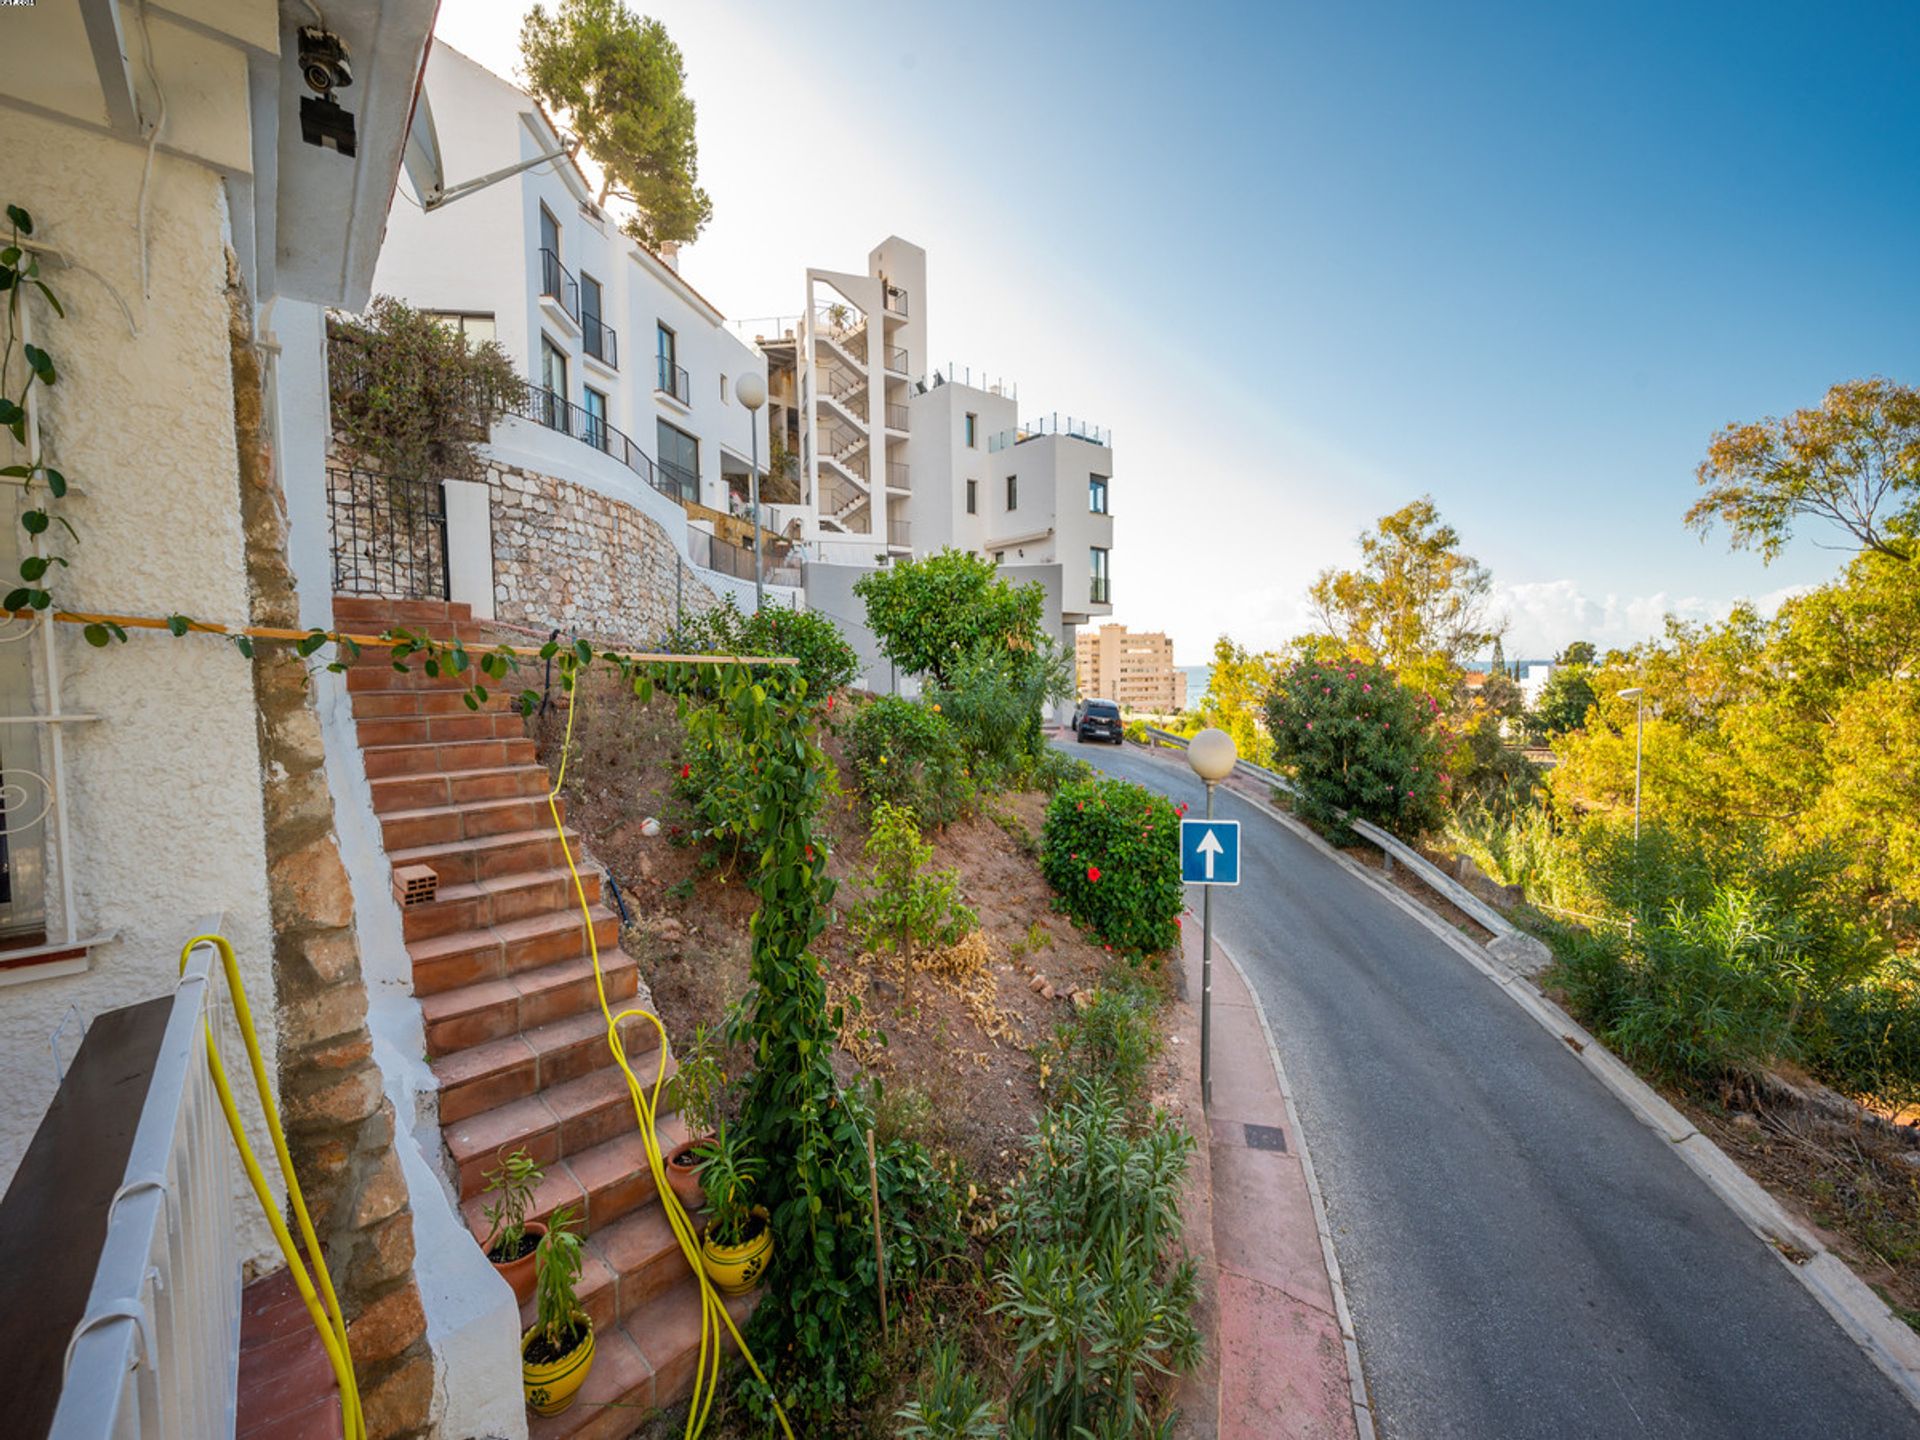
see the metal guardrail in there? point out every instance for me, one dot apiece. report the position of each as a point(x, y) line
point(158, 1350)
point(599, 340)
point(388, 535)
point(557, 281)
point(671, 379)
point(1391, 847)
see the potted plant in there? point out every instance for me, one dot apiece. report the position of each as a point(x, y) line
point(557, 1351)
point(701, 1083)
point(512, 1239)
point(739, 1241)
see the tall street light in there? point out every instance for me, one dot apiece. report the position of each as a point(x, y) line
point(1212, 756)
point(751, 391)
point(1638, 696)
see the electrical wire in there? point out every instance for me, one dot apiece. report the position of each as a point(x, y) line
point(153, 144)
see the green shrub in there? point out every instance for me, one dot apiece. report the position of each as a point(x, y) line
point(1049, 769)
point(994, 697)
point(908, 905)
point(718, 784)
point(1111, 851)
point(1115, 1040)
point(809, 636)
point(1092, 1284)
point(951, 1404)
point(905, 753)
point(1357, 740)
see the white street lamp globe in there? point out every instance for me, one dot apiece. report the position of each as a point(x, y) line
point(750, 390)
point(1211, 754)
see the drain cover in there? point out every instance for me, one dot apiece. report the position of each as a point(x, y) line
point(1266, 1137)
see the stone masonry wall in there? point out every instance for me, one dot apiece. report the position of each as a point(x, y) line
point(340, 1127)
point(567, 556)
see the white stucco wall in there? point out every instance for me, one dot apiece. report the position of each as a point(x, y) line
point(163, 792)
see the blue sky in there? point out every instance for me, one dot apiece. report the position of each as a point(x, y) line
point(1311, 261)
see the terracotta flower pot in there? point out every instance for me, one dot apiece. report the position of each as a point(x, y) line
point(519, 1273)
point(552, 1385)
point(683, 1174)
point(735, 1269)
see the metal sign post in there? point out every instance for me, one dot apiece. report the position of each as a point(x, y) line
point(1209, 856)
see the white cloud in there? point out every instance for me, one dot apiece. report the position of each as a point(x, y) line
point(1543, 616)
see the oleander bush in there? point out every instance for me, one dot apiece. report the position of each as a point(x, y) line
point(1111, 851)
point(1357, 741)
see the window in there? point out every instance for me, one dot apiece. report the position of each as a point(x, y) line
point(1013, 492)
point(679, 461)
point(723, 389)
point(972, 429)
point(1099, 593)
point(973, 497)
point(596, 408)
point(553, 380)
point(671, 380)
point(549, 233)
point(1097, 494)
point(476, 329)
point(596, 338)
point(999, 557)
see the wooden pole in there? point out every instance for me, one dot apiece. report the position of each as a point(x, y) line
point(879, 1251)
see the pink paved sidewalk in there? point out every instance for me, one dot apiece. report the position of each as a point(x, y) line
point(1278, 1362)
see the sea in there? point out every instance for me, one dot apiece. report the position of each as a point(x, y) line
point(1198, 678)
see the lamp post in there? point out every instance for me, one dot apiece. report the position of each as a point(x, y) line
point(1212, 756)
point(751, 391)
point(1638, 696)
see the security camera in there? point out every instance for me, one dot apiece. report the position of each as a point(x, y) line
point(323, 61)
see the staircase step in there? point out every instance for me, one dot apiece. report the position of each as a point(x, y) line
point(489, 902)
point(484, 1076)
point(363, 609)
point(470, 1015)
point(459, 787)
point(470, 820)
point(440, 729)
point(560, 1121)
point(464, 862)
point(653, 1356)
point(499, 952)
point(603, 1183)
point(384, 762)
point(402, 701)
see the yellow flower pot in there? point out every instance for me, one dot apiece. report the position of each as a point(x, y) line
point(550, 1388)
point(736, 1269)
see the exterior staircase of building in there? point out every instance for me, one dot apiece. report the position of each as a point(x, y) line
point(514, 1032)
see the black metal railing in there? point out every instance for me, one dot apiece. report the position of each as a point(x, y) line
point(543, 407)
point(671, 379)
point(777, 563)
point(678, 481)
point(556, 280)
point(599, 341)
point(389, 536)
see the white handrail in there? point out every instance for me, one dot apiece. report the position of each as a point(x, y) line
point(156, 1355)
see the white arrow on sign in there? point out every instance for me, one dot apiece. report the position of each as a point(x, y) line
point(1210, 846)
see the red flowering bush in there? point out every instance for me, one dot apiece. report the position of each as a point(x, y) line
point(1357, 740)
point(1111, 851)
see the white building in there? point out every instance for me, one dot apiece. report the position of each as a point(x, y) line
point(625, 355)
point(889, 465)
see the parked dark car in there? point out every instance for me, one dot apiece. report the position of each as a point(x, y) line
point(1098, 720)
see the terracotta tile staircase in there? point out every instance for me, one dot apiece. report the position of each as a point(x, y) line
point(514, 1031)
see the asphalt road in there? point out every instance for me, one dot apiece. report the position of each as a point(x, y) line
point(1522, 1257)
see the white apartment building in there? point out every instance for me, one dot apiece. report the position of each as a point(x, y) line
point(894, 458)
point(626, 357)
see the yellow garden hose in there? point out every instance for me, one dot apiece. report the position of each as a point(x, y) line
point(713, 1312)
point(329, 1322)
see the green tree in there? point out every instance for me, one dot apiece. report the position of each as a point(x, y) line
point(1853, 462)
point(1236, 698)
point(617, 81)
point(929, 615)
point(1578, 652)
point(1416, 604)
point(1563, 703)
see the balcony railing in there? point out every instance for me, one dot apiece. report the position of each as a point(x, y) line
point(896, 300)
point(671, 379)
point(897, 359)
point(896, 417)
point(556, 280)
point(157, 1353)
point(897, 476)
point(389, 535)
point(900, 533)
point(543, 407)
point(599, 341)
point(778, 566)
point(678, 481)
point(1051, 425)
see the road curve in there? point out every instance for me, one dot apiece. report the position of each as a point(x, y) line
point(1522, 1257)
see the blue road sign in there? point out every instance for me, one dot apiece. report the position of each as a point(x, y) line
point(1210, 852)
